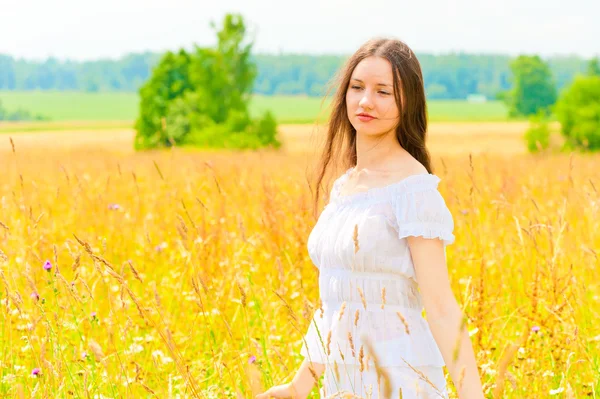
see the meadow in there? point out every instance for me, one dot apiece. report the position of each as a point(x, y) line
point(181, 273)
point(77, 106)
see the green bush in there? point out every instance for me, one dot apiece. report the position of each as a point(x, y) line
point(578, 111)
point(20, 115)
point(265, 129)
point(239, 132)
point(537, 136)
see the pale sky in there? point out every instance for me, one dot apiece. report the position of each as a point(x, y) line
point(82, 30)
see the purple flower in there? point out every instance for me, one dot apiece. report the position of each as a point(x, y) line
point(93, 315)
point(84, 355)
point(114, 207)
point(36, 371)
point(252, 359)
point(535, 328)
point(160, 247)
point(35, 295)
point(47, 265)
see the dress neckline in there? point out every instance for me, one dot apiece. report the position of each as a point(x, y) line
point(373, 192)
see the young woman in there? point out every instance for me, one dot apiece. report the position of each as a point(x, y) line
point(379, 245)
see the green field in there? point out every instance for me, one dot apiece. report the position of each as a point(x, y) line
point(78, 106)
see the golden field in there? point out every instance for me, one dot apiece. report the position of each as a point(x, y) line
point(170, 270)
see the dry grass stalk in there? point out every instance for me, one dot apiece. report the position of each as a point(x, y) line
point(242, 293)
point(509, 353)
point(355, 239)
point(457, 345)
point(361, 358)
point(403, 320)
point(336, 371)
point(461, 378)
point(321, 307)
point(382, 373)
point(342, 309)
point(423, 377)
point(313, 373)
point(135, 273)
point(362, 297)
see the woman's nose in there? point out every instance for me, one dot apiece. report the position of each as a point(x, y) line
point(365, 102)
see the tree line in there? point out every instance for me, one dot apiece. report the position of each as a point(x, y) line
point(447, 76)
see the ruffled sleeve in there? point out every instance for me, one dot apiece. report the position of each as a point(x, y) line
point(420, 210)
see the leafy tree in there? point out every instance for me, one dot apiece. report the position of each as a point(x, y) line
point(594, 67)
point(578, 111)
point(170, 80)
point(201, 98)
point(533, 88)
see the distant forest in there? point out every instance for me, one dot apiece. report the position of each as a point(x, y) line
point(447, 76)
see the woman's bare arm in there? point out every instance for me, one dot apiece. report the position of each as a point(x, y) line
point(304, 381)
point(444, 315)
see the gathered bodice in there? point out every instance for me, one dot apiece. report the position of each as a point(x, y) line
point(366, 231)
point(367, 280)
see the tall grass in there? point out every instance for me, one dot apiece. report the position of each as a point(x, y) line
point(179, 274)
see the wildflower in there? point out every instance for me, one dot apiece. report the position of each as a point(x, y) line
point(114, 207)
point(47, 266)
point(252, 359)
point(163, 245)
point(34, 295)
point(93, 315)
point(36, 371)
point(535, 328)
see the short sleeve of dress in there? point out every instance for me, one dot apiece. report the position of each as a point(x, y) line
point(420, 210)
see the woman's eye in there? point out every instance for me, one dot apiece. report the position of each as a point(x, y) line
point(360, 88)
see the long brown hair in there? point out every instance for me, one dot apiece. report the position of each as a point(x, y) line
point(409, 92)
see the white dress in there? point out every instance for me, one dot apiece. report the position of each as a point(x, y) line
point(380, 266)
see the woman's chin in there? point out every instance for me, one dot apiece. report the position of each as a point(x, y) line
point(369, 131)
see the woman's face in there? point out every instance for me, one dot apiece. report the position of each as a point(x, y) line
point(371, 92)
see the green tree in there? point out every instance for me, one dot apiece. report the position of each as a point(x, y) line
point(201, 98)
point(533, 88)
point(578, 111)
point(594, 67)
point(170, 80)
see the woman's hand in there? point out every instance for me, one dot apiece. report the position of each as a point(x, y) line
point(285, 391)
point(301, 385)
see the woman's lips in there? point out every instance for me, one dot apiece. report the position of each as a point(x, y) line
point(365, 118)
